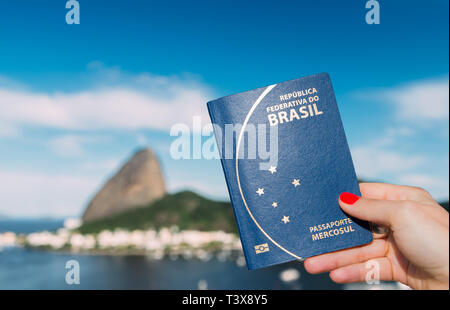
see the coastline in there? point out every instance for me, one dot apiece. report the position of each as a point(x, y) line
point(166, 242)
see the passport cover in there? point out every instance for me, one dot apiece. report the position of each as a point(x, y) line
point(286, 205)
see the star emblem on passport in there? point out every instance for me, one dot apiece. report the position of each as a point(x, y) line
point(260, 191)
point(274, 204)
point(285, 219)
point(296, 182)
point(272, 169)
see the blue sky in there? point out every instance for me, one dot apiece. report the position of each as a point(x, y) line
point(76, 100)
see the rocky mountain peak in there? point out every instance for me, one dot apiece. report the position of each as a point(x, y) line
point(137, 183)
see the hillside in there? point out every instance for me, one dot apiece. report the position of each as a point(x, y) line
point(186, 210)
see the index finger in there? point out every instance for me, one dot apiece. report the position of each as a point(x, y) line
point(330, 261)
point(387, 191)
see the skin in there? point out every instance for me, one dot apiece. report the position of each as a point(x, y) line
point(414, 251)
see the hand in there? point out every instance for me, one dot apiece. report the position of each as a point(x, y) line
point(415, 251)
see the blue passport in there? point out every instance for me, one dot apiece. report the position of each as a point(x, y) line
point(286, 161)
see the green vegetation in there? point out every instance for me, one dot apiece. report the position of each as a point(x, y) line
point(186, 210)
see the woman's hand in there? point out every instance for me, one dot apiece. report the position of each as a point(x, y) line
point(414, 251)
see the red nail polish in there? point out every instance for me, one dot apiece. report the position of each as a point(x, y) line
point(348, 198)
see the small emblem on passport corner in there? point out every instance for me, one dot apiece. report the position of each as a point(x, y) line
point(261, 248)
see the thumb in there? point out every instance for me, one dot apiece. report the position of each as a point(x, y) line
point(382, 212)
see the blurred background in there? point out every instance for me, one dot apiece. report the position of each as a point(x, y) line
point(86, 109)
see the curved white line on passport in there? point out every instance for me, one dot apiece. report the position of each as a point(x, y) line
point(257, 102)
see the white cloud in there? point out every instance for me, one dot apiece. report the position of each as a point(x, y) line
point(399, 131)
point(145, 101)
point(375, 163)
point(423, 100)
point(419, 102)
point(6, 82)
point(38, 194)
point(142, 140)
point(437, 186)
point(102, 167)
point(107, 100)
point(371, 161)
point(8, 131)
point(72, 145)
point(67, 146)
point(418, 111)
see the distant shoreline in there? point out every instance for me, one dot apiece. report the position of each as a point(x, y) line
point(137, 253)
point(166, 242)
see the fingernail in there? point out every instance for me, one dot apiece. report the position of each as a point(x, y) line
point(348, 198)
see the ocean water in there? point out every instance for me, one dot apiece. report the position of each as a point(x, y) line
point(28, 226)
point(36, 269)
